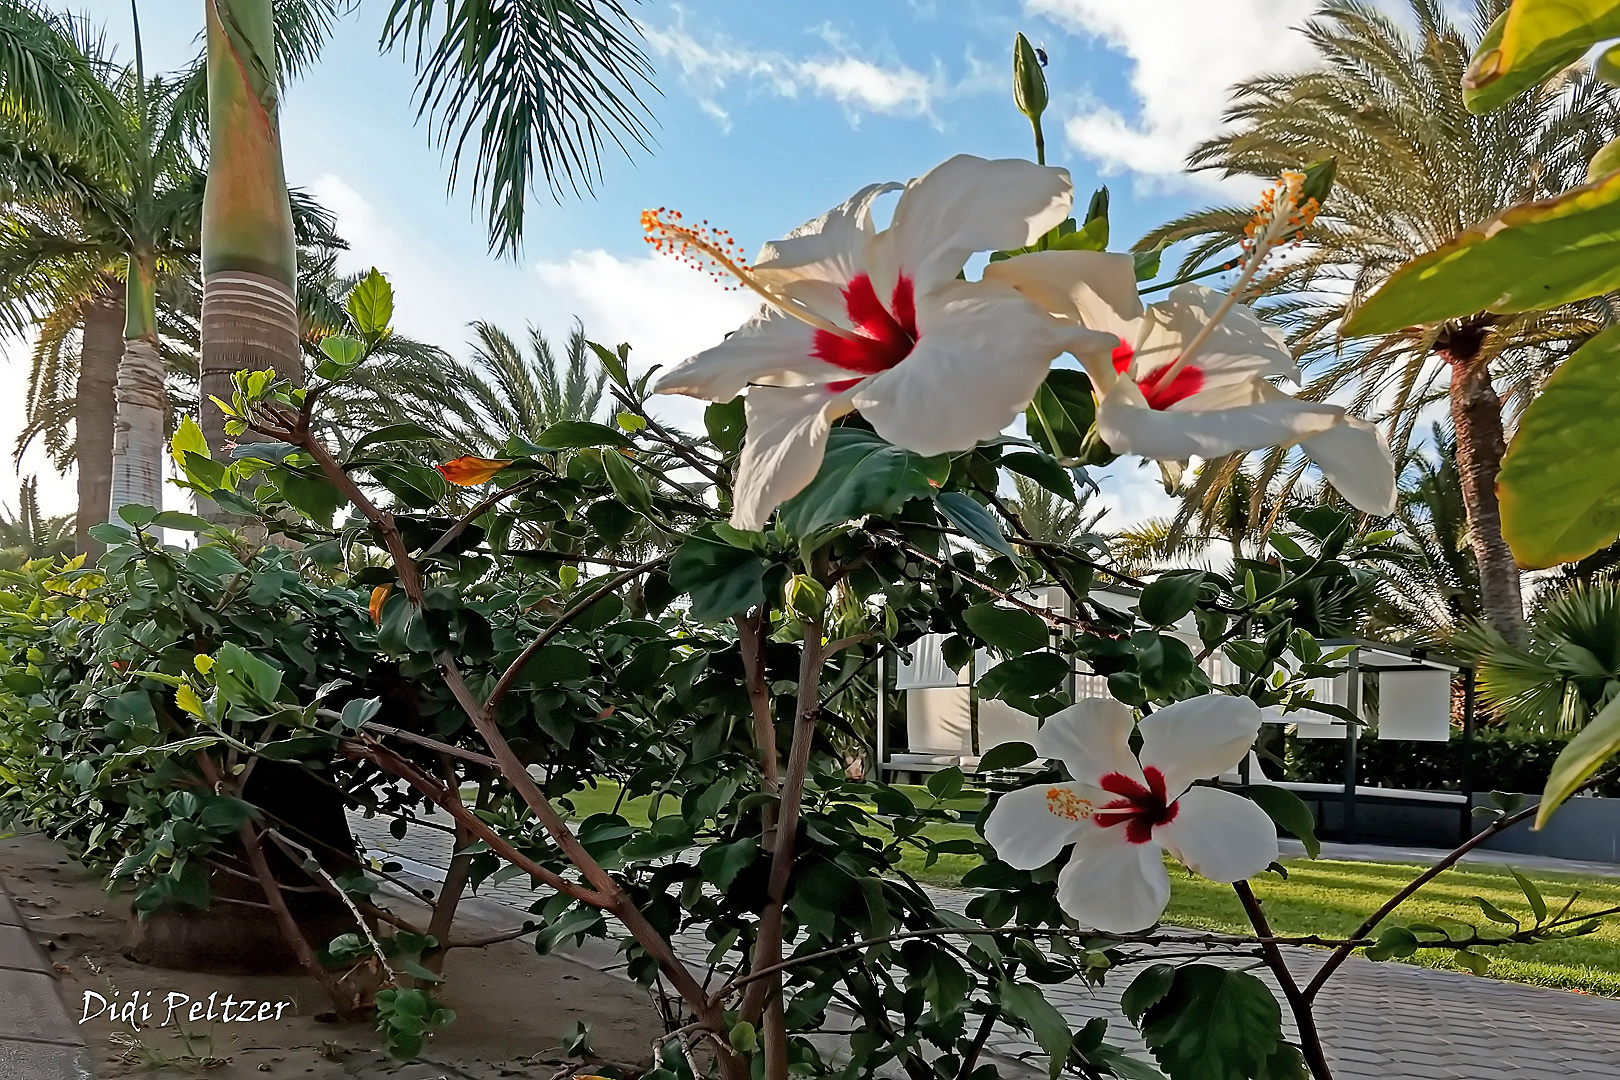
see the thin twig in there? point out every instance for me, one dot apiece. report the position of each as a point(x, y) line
point(1310, 1040)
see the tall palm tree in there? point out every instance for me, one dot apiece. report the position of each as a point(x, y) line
point(544, 85)
point(1415, 168)
point(1429, 588)
point(96, 183)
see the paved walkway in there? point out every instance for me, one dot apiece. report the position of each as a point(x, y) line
point(38, 1040)
point(1429, 856)
point(1386, 1021)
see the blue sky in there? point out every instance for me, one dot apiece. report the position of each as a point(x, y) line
point(770, 112)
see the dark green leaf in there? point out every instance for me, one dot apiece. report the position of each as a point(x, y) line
point(1044, 470)
point(973, 521)
point(725, 423)
point(1007, 755)
point(1532, 895)
point(722, 580)
point(860, 475)
point(1167, 600)
point(1146, 991)
point(1062, 413)
point(946, 783)
point(573, 434)
point(1288, 811)
point(1026, 1002)
point(1024, 677)
point(1214, 1024)
point(1011, 630)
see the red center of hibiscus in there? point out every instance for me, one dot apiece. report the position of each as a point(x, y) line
point(883, 336)
point(1140, 809)
point(1188, 381)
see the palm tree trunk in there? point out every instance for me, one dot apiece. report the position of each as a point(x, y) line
point(101, 350)
point(1476, 413)
point(138, 442)
point(249, 258)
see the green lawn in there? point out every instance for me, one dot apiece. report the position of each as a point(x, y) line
point(1331, 898)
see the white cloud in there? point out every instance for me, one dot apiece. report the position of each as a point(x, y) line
point(1185, 56)
point(714, 63)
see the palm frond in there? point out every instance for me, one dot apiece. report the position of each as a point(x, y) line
point(541, 86)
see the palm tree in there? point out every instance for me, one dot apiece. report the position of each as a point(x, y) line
point(31, 535)
point(523, 394)
point(97, 183)
point(544, 85)
point(1415, 168)
point(1568, 668)
point(1052, 519)
point(1429, 589)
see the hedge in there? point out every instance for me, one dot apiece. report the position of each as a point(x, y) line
point(1502, 762)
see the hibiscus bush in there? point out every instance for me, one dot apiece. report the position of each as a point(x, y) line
point(700, 618)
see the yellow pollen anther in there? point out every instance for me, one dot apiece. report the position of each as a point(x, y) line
point(715, 252)
point(1066, 804)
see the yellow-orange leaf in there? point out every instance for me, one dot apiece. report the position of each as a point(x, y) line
point(470, 471)
point(379, 597)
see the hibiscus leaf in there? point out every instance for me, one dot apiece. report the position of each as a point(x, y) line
point(1560, 480)
point(1527, 258)
point(1169, 599)
point(1530, 42)
point(571, 434)
point(860, 475)
point(1289, 812)
point(1007, 755)
point(1012, 630)
point(1024, 677)
point(1146, 990)
point(1582, 756)
point(1043, 469)
point(1062, 416)
point(1024, 1001)
point(722, 580)
point(974, 521)
point(1213, 1024)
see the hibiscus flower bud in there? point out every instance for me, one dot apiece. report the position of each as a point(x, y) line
point(1029, 81)
point(805, 597)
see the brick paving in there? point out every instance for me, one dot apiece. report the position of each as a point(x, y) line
point(38, 1040)
point(1387, 1021)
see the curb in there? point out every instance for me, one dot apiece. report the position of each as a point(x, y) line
point(38, 1039)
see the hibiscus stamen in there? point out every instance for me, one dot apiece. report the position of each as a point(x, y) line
point(717, 254)
point(1281, 215)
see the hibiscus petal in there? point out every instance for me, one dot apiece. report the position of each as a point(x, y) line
point(962, 206)
point(1356, 461)
point(770, 347)
point(1028, 827)
point(1092, 738)
point(982, 352)
point(1198, 738)
point(1094, 288)
point(814, 262)
point(787, 435)
point(469, 471)
point(1239, 342)
point(1220, 835)
point(1113, 885)
point(1186, 429)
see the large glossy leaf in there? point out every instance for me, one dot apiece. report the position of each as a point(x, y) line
point(1012, 630)
point(860, 475)
point(1526, 258)
point(1214, 1024)
point(1560, 481)
point(1026, 1002)
point(722, 580)
point(1062, 413)
point(1585, 754)
point(1531, 41)
point(973, 521)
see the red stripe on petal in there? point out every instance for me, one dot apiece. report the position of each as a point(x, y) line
point(1188, 381)
point(882, 339)
point(1123, 354)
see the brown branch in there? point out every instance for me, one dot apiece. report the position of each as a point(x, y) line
point(423, 740)
point(1343, 951)
point(768, 940)
point(1310, 1040)
point(346, 1002)
point(515, 668)
point(943, 564)
point(710, 470)
point(477, 511)
point(450, 801)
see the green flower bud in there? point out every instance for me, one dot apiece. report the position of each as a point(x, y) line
point(805, 597)
point(1029, 81)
